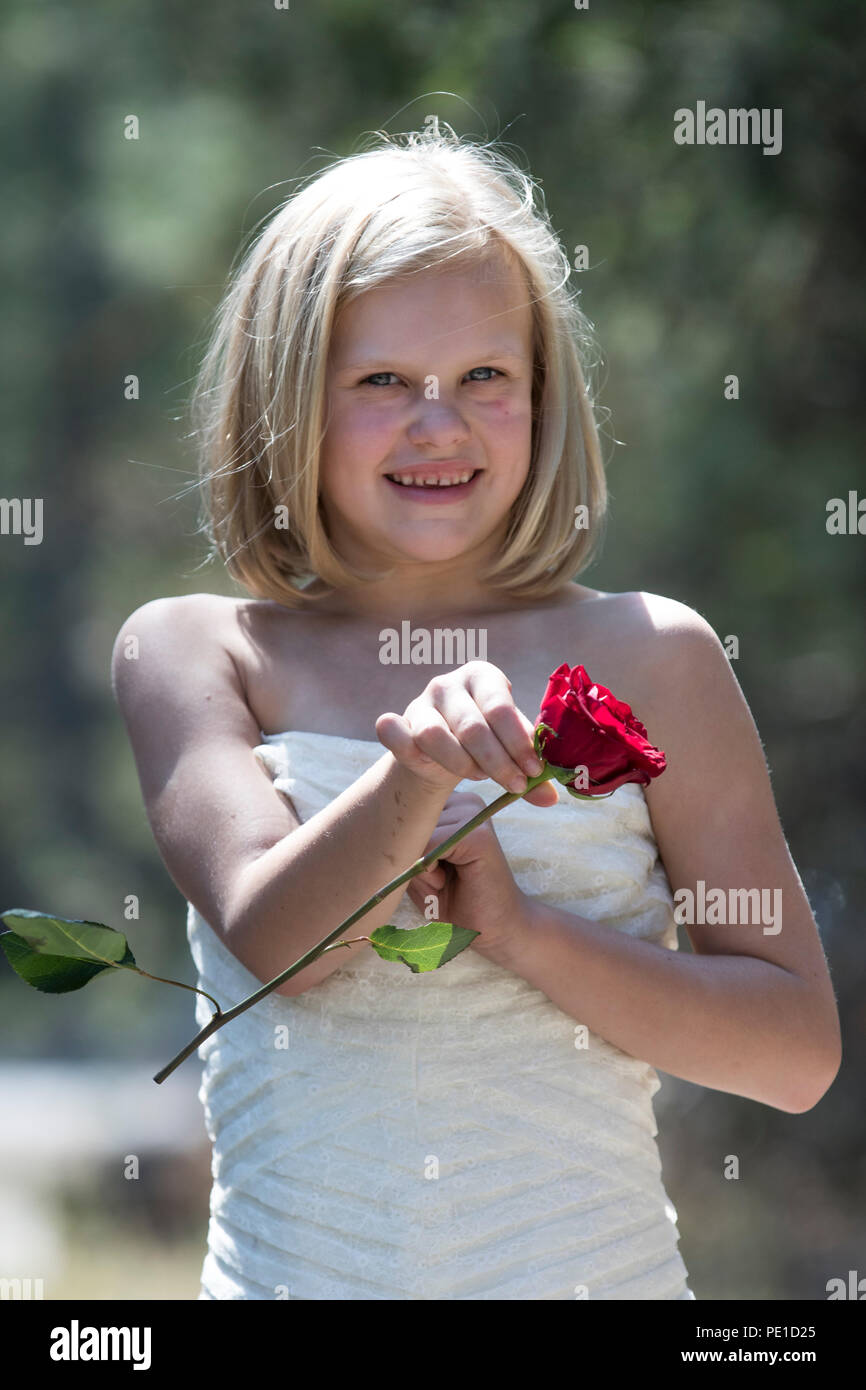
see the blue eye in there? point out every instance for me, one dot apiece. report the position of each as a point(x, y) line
point(372, 377)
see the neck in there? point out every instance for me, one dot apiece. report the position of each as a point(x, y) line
point(405, 595)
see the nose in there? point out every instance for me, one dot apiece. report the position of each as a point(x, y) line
point(437, 423)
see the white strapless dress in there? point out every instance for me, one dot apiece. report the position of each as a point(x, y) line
point(439, 1136)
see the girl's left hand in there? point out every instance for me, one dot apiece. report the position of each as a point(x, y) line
point(473, 883)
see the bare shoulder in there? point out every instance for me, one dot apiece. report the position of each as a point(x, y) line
point(685, 691)
point(178, 682)
point(182, 694)
point(638, 640)
point(660, 641)
point(164, 634)
point(647, 617)
point(661, 657)
point(634, 612)
point(180, 612)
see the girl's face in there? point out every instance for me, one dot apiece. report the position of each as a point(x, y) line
point(429, 374)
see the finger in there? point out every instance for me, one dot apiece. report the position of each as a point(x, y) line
point(544, 795)
point(461, 806)
point(433, 870)
point(396, 733)
point(456, 817)
point(392, 730)
point(435, 740)
point(484, 718)
point(467, 804)
point(486, 683)
point(528, 729)
point(440, 837)
point(428, 882)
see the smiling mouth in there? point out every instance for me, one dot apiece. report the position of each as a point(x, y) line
point(419, 483)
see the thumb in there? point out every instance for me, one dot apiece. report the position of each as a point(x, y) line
point(543, 795)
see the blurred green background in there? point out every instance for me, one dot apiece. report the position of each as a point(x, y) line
point(704, 261)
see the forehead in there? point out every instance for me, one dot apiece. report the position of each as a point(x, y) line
point(460, 305)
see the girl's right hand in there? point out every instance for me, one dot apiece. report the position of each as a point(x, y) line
point(466, 725)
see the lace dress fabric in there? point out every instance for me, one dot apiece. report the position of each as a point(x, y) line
point(450, 1135)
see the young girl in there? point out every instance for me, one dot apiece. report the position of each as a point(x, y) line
point(396, 430)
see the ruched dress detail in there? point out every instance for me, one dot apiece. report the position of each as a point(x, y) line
point(447, 1135)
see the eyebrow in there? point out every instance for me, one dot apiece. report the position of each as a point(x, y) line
point(499, 351)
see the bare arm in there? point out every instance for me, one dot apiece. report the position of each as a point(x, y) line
point(751, 1012)
point(269, 886)
point(733, 1023)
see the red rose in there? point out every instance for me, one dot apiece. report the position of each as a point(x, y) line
point(592, 729)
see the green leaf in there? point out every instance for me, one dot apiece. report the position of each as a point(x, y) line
point(58, 954)
point(566, 775)
point(585, 796)
point(423, 948)
point(562, 774)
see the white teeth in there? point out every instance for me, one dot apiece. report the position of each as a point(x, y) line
point(416, 480)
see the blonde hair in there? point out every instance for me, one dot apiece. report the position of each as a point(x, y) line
point(407, 204)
